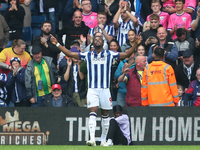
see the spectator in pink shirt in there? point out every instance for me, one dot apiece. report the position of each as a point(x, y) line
point(163, 16)
point(89, 17)
point(189, 7)
point(180, 19)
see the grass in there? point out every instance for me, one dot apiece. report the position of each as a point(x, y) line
point(77, 147)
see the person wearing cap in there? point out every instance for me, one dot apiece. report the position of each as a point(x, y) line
point(119, 129)
point(40, 75)
point(16, 84)
point(73, 30)
point(186, 71)
point(43, 40)
point(4, 32)
point(57, 99)
point(75, 79)
point(3, 90)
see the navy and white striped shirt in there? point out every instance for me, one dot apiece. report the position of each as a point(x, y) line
point(109, 30)
point(122, 32)
point(99, 67)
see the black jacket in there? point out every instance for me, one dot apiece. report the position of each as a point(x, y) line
point(51, 51)
point(113, 10)
point(47, 3)
point(70, 84)
point(152, 32)
point(181, 76)
point(15, 19)
point(72, 33)
point(67, 101)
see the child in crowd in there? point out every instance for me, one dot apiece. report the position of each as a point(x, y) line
point(181, 95)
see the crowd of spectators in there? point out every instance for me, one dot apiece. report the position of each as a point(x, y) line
point(44, 76)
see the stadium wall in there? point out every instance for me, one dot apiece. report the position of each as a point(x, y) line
point(69, 126)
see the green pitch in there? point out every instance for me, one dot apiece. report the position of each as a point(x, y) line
point(76, 147)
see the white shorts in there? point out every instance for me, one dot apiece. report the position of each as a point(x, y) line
point(99, 97)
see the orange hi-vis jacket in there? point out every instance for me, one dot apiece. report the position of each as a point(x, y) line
point(159, 86)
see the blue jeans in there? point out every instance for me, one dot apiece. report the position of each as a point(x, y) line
point(121, 99)
point(39, 102)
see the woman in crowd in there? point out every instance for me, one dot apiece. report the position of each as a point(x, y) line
point(17, 50)
point(146, 26)
point(131, 39)
point(14, 17)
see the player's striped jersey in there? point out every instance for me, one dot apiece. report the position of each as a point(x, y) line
point(99, 67)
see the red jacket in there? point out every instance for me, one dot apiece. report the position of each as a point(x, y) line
point(133, 86)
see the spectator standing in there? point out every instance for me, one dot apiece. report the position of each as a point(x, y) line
point(189, 7)
point(27, 18)
point(43, 41)
point(73, 5)
point(89, 17)
point(149, 37)
point(4, 32)
point(186, 71)
point(74, 29)
point(184, 42)
point(133, 79)
point(47, 7)
point(40, 75)
point(170, 48)
point(75, 81)
point(180, 19)
point(121, 93)
point(57, 99)
point(16, 84)
point(128, 22)
point(158, 77)
point(107, 31)
point(14, 17)
point(110, 7)
point(163, 16)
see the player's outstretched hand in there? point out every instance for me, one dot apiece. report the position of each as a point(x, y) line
point(53, 39)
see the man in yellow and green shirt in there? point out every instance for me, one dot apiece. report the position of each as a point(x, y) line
point(40, 75)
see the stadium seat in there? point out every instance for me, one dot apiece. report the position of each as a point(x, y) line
point(36, 24)
point(9, 44)
point(27, 34)
point(3, 7)
point(33, 8)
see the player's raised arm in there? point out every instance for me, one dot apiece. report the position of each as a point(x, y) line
point(132, 49)
point(63, 49)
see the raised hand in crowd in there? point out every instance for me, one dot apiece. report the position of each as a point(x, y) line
point(76, 4)
point(151, 40)
point(125, 69)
